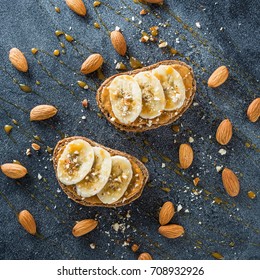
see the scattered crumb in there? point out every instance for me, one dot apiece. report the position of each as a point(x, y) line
point(191, 139)
point(198, 24)
point(222, 151)
point(83, 117)
point(28, 152)
point(39, 176)
point(163, 165)
point(163, 45)
point(179, 207)
point(85, 103)
point(196, 181)
point(219, 168)
point(92, 246)
point(135, 247)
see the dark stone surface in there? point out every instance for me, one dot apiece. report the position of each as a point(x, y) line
point(209, 226)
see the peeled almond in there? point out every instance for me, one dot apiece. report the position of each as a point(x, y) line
point(145, 257)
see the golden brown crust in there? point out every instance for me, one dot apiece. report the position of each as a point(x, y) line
point(166, 117)
point(132, 192)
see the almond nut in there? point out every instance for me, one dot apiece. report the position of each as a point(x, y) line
point(118, 42)
point(36, 147)
point(84, 227)
point(253, 111)
point(154, 1)
point(42, 112)
point(171, 231)
point(230, 182)
point(145, 257)
point(18, 60)
point(185, 156)
point(166, 213)
point(92, 63)
point(77, 6)
point(218, 77)
point(26, 219)
point(224, 132)
point(14, 170)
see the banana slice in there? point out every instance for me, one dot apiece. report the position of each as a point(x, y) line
point(153, 99)
point(173, 86)
point(75, 162)
point(120, 177)
point(126, 98)
point(98, 176)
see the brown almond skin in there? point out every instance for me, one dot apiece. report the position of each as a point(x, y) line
point(77, 6)
point(92, 63)
point(26, 219)
point(185, 156)
point(253, 111)
point(118, 42)
point(154, 1)
point(145, 257)
point(18, 60)
point(230, 182)
point(83, 227)
point(42, 112)
point(13, 170)
point(224, 132)
point(171, 231)
point(166, 213)
point(218, 77)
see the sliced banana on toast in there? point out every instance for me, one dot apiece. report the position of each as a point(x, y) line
point(173, 86)
point(153, 99)
point(75, 162)
point(96, 179)
point(167, 90)
point(94, 175)
point(126, 98)
point(120, 177)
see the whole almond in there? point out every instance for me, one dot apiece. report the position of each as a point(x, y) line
point(13, 170)
point(77, 6)
point(185, 156)
point(92, 63)
point(224, 132)
point(218, 77)
point(26, 219)
point(18, 60)
point(154, 1)
point(171, 231)
point(42, 112)
point(230, 182)
point(166, 213)
point(253, 111)
point(118, 42)
point(145, 257)
point(84, 227)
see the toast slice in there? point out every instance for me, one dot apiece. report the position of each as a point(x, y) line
point(166, 117)
point(134, 189)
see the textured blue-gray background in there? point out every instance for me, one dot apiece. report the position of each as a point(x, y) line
point(229, 35)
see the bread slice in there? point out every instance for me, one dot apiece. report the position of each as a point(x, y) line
point(132, 192)
point(167, 117)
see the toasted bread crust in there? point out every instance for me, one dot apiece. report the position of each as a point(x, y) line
point(153, 124)
point(132, 192)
